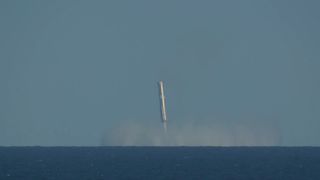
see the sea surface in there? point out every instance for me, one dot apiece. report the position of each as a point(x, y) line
point(102, 163)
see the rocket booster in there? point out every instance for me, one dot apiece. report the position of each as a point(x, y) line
point(163, 105)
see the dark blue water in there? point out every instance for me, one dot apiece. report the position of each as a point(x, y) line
point(245, 163)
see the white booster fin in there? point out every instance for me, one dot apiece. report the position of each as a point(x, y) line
point(162, 102)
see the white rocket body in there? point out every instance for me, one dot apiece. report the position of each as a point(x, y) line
point(163, 106)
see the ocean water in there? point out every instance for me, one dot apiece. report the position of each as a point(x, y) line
point(101, 163)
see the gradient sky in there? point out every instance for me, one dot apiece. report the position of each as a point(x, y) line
point(69, 70)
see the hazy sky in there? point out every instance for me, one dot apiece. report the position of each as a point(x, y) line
point(70, 71)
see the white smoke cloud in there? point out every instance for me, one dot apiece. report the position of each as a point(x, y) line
point(192, 134)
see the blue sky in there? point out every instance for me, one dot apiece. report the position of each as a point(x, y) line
point(70, 71)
